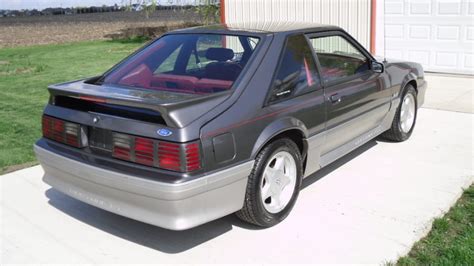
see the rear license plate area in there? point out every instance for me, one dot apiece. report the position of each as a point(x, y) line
point(100, 138)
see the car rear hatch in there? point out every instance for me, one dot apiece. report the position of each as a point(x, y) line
point(127, 124)
point(170, 108)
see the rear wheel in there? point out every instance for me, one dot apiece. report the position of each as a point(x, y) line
point(273, 185)
point(405, 117)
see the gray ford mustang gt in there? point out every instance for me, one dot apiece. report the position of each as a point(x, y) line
point(208, 121)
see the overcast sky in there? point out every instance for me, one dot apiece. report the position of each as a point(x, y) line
point(41, 4)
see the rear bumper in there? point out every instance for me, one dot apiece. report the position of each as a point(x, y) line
point(172, 206)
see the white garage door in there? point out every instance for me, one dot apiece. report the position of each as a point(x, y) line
point(437, 33)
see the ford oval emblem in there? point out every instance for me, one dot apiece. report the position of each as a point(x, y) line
point(164, 132)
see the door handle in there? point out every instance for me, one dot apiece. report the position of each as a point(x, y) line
point(335, 98)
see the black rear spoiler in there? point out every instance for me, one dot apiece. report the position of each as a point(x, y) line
point(176, 109)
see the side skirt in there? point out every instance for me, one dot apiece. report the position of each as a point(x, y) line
point(316, 161)
point(351, 145)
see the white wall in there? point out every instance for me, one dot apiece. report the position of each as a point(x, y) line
point(351, 15)
point(380, 29)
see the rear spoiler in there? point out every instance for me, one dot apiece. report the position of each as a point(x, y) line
point(176, 109)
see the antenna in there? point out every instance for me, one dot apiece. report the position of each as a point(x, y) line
point(384, 34)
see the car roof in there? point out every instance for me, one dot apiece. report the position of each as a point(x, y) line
point(260, 27)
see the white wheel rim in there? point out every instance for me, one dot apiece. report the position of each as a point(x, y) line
point(407, 113)
point(278, 182)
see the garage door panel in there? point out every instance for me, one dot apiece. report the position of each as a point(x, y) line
point(420, 31)
point(394, 31)
point(449, 7)
point(470, 33)
point(437, 33)
point(394, 7)
point(448, 33)
point(420, 8)
point(395, 53)
point(446, 59)
point(468, 61)
point(422, 57)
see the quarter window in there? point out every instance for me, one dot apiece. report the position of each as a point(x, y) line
point(169, 63)
point(199, 60)
point(338, 58)
point(297, 71)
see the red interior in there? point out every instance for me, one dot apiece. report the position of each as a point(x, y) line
point(141, 76)
point(329, 73)
point(211, 85)
point(183, 83)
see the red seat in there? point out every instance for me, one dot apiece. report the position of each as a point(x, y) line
point(140, 77)
point(178, 82)
point(330, 73)
point(212, 85)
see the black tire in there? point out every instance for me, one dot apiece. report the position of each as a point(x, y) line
point(253, 210)
point(395, 133)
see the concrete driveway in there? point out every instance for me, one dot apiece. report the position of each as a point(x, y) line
point(368, 207)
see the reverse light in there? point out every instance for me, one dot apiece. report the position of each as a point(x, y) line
point(122, 146)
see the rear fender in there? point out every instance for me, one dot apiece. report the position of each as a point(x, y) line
point(277, 127)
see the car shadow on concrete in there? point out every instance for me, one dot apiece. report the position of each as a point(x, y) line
point(164, 240)
point(338, 163)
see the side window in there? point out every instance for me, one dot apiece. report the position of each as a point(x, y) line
point(167, 66)
point(296, 73)
point(198, 58)
point(338, 58)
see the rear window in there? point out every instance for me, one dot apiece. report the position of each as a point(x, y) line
point(186, 63)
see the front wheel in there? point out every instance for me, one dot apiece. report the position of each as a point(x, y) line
point(273, 185)
point(405, 117)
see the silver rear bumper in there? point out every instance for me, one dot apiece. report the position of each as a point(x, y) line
point(172, 206)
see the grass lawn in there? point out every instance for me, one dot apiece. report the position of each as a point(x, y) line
point(25, 73)
point(451, 241)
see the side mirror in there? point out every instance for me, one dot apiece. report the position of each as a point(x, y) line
point(377, 67)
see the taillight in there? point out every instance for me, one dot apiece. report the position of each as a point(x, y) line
point(122, 147)
point(144, 151)
point(193, 158)
point(62, 131)
point(169, 156)
point(157, 153)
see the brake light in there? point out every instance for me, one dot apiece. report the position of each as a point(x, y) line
point(157, 153)
point(169, 155)
point(61, 131)
point(193, 158)
point(93, 99)
point(144, 151)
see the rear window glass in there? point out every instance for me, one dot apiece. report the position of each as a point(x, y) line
point(186, 63)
